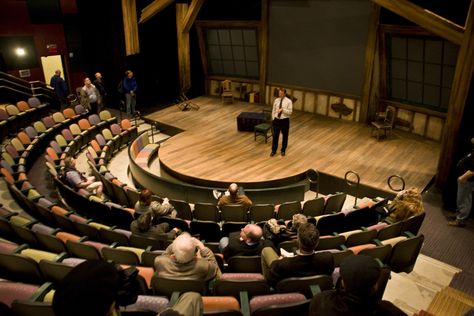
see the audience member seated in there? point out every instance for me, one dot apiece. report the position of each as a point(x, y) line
point(145, 204)
point(277, 231)
point(187, 257)
point(233, 196)
point(143, 226)
point(95, 288)
point(78, 180)
point(304, 263)
point(354, 291)
point(189, 304)
point(406, 204)
point(247, 242)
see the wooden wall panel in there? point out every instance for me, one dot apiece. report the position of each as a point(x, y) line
point(322, 104)
point(298, 104)
point(333, 100)
point(419, 123)
point(435, 128)
point(309, 103)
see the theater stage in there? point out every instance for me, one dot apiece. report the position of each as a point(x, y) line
point(211, 151)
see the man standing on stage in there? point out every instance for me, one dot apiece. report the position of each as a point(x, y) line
point(282, 109)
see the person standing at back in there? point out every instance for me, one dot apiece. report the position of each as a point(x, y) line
point(129, 86)
point(100, 85)
point(60, 87)
point(90, 96)
point(282, 109)
point(465, 168)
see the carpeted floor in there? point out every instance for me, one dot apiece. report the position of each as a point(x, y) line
point(451, 245)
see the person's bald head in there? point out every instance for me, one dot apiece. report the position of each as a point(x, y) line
point(252, 233)
point(233, 189)
point(184, 248)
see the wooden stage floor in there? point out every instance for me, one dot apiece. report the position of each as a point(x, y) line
point(211, 148)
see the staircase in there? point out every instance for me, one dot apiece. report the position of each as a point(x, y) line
point(450, 301)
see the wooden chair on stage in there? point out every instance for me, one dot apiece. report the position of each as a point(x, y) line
point(226, 91)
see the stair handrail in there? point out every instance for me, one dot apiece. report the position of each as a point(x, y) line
point(396, 176)
point(352, 183)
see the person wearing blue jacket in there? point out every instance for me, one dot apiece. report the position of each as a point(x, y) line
point(130, 89)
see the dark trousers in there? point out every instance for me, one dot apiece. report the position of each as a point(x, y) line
point(283, 126)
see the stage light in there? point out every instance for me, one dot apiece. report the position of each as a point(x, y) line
point(20, 52)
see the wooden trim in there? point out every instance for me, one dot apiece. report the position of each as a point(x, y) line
point(457, 101)
point(370, 51)
point(191, 15)
point(229, 24)
point(333, 93)
point(220, 78)
point(413, 108)
point(153, 8)
point(425, 18)
point(263, 31)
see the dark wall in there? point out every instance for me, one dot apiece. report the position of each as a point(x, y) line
point(318, 44)
point(15, 21)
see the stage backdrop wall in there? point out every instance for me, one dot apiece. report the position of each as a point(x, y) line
point(318, 43)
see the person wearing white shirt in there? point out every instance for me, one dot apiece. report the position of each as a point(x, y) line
point(282, 109)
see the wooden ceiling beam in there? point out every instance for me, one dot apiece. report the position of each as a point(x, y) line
point(153, 8)
point(430, 21)
point(191, 15)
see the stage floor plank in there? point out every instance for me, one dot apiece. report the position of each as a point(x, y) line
point(211, 148)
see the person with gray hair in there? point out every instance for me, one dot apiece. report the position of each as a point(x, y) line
point(187, 257)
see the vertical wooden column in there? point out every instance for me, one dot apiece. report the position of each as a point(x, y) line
point(457, 100)
point(130, 27)
point(263, 50)
point(369, 90)
point(184, 59)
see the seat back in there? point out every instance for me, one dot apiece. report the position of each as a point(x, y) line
point(206, 212)
point(28, 308)
point(312, 208)
point(233, 287)
point(390, 231)
point(82, 250)
point(246, 264)
point(288, 209)
point(331, 223)
point(207, 230)
point(413, 224)
point(380, 252)
point(20, 268)
point(121, 256)
point(261, 212)
point(335, 202)
point(361, 217)
point(183, 209)
point(303, 285)
point(233, 213)
point(166, 287)
point(405, 253)
point(54, 271)
point(280, 304)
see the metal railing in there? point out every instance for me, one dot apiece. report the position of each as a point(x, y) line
point(390, 181)
point(354, 184)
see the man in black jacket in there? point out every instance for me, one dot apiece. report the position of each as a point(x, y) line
point(305, 263)
point(247, 242)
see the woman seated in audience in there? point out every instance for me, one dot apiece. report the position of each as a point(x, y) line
point(279, 231)
point(406, 204)
point(145, 204)
point(143, 226)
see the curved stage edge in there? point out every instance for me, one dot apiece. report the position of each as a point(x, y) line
point(273, 192)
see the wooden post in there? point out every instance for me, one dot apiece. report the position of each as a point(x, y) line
point(263, 50)
point(370, 78)
point(184, 60)
point(457, 100)
point(130, 27)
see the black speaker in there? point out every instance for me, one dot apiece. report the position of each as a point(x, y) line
point(44, 11)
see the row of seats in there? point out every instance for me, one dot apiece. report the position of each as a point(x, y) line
point(12, 117)
point(53, 267)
